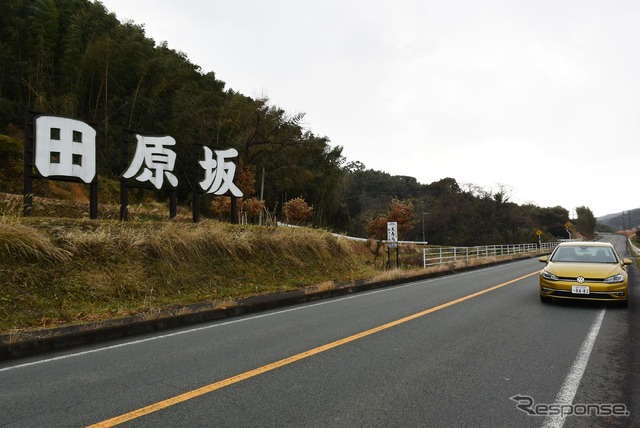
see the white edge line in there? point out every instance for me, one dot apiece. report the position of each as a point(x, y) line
point(570, 386)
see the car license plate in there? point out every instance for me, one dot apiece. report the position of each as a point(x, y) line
point(580, 289)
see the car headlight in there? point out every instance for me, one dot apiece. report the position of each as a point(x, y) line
point(549, 276)
point(614, 278)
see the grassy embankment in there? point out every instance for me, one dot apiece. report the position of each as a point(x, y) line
point(55, 271)
point(58, 270)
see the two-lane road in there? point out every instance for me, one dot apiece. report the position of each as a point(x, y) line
point(450, 351)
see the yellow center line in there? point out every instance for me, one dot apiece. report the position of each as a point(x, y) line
point(292, 359)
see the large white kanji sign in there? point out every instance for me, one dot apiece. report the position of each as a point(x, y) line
point(65, 148)
point(219, 172)
point(153, 161)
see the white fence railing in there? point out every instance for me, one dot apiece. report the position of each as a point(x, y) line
point(442, 255)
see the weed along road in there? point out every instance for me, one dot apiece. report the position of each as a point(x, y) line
point(469, 349)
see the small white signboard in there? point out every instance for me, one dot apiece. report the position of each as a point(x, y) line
point(392, 234)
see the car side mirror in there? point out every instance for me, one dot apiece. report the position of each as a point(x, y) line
point(543, 259)
point(626, 262)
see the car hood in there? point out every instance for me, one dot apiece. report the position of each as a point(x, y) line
point(588, 270)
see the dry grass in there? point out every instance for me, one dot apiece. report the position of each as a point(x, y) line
point(61, 271)
point(78, 207)
point(21, 243)
point(393, 274)
point(323, 286)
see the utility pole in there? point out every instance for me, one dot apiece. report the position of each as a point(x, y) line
point(261, 198)
point(423, 237)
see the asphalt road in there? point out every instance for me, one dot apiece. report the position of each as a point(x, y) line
point(462, 350)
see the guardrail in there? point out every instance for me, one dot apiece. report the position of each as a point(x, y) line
point(636, 250)
point(442, 255)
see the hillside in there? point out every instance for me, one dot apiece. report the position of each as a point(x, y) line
point(622, 221)
point(71, 58)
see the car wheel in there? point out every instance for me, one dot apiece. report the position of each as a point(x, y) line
point(545, 299)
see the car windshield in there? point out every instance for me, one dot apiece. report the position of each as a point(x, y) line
point(584, 254)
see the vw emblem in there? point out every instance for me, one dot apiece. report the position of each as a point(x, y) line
point(580, 279)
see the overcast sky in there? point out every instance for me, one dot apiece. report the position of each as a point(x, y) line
point(541, 97)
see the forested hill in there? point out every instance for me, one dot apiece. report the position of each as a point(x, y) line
point(622, 221)
point(72, 58)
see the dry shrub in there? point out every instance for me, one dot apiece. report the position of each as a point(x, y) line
point(253, 207)
point(297, 211)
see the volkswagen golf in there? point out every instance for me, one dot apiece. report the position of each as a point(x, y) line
point(585, 271)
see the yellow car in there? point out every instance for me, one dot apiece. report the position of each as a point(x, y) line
point(585, 271)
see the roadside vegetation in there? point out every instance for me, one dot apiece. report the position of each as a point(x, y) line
point(59, 270)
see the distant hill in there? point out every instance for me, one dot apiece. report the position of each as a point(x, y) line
point(621, 221)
